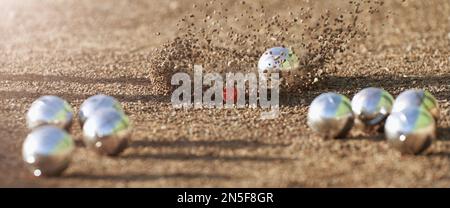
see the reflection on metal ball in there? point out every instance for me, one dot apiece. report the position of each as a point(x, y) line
point(411, 130)
point(417, 98)
point(95, 103)
point(107, 131)
point(50, 110)
point(372, 106)
point(277, 59)
point(330, 115)
point(47, 150)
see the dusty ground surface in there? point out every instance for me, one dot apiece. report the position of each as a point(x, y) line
point(76, 49)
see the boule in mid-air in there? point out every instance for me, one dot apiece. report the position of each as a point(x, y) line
point(278, 60)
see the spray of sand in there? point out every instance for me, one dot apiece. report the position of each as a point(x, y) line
point(231, 36)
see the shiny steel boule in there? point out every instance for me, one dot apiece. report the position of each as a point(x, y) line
point(95, 103)
point(372, 105)
point(417, 98)
point(107, 131)
point(411, 130)
point(277, 59)
point(330, 115)
point(47, 151)
point(49, 110)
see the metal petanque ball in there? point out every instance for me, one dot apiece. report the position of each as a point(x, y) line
point(48, 150)
point(107, 131)
point(50, 110)
point(330, 115)
point(417, 98)
point(411, 130)
point(277, 59)
point(95, 103)
point(372, 106)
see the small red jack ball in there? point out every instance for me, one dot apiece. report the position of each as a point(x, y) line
point(230, 93)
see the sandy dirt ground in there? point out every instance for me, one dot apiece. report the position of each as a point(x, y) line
point(75, 49)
